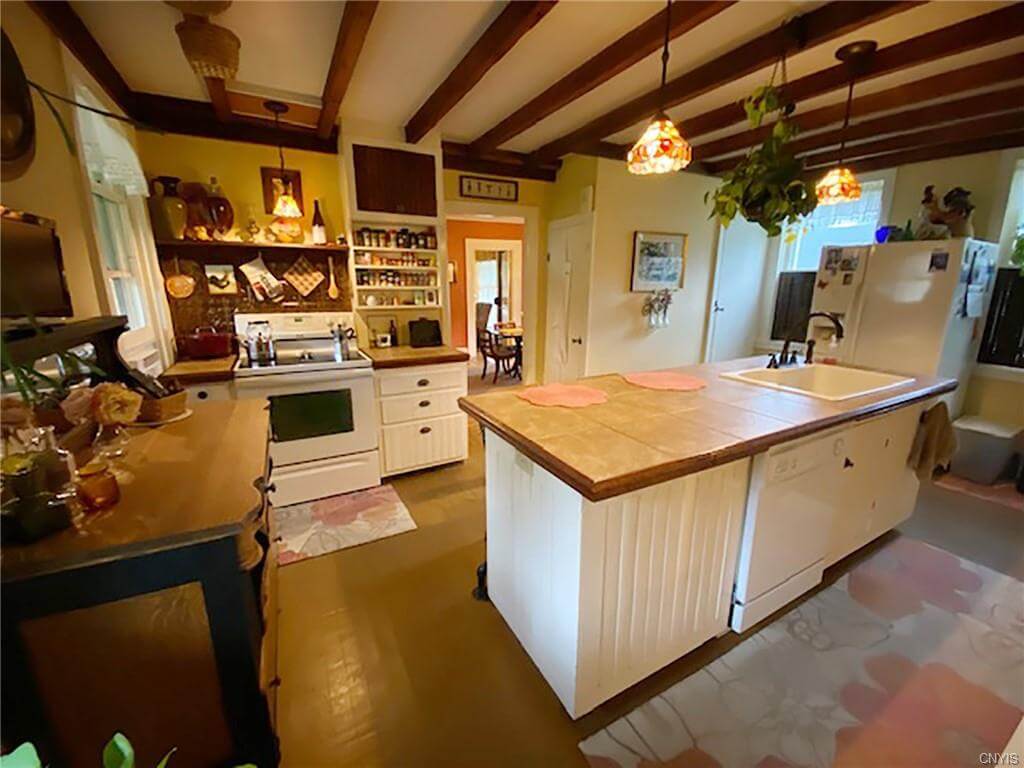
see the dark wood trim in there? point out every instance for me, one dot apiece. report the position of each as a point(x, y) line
point(819, 26)
point(947, 84)
point(219, 98)
point(634, 46)
point(898, 123)
point(986, 29)
point(935, 152)
point(197, 118)
point(966, 130)
point(355, 23)
point(460, 157)
point(514, 21)
point(921, 389)
point(62, 20)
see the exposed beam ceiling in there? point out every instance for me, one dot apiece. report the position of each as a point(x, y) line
point(497, 162)
point(989, 28)
point(634, 46)
point(982, 75)
point(966, 130)
point(961, 109)
point(219, 98)
point(819, 26)
point(935, 152)
point(355, 23)
point(517, 18)
point(62, 20)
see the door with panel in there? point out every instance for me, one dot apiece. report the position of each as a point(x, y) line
point(570, 246)
point(736, 293)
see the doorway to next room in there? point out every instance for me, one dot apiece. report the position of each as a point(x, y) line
point(486, 288)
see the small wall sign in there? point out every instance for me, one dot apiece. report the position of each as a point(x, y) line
point(483, 188)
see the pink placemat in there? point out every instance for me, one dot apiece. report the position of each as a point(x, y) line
point(679, 382)
point(567, 395)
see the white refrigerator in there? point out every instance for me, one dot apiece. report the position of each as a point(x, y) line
point(915, 307)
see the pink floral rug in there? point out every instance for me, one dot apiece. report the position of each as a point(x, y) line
point(338, 522)
point(915, 658)
point(1000, 493)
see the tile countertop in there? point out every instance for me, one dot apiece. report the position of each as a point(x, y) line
point(403, 357)
point(641, 437)
point(197, 371)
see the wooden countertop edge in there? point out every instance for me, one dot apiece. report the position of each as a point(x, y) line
point(606, 489)
point(200, 378)
point(441, 357)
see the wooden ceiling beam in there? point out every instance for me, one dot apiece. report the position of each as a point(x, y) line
point(986, 29)
point(219, 98)
point(355, 23)
point(982, 75)
point(463, 157)
point(933, 152)
point(965, 130)
point(634, 46)
point(515, 20)
point(899, 122)
point(819, 26)
point(66, 25)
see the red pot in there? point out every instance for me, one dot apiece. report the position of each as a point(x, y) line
point(205, 343)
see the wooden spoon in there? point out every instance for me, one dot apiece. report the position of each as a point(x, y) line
point(332, 290)
point(179, 286)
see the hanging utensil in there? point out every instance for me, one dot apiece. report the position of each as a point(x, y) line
point(332, 289)
point(179, 286)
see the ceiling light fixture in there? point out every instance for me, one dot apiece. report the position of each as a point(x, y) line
point(661, 148)
point(285, 207)
point(840, 184)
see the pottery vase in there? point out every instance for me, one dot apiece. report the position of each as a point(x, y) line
point(167, 210)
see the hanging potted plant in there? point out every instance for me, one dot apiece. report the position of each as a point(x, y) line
point(766, 186)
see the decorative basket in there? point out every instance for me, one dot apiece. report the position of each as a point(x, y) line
point(211, 50)
point(163, 408)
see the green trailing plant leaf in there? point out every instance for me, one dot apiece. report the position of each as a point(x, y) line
point(765, 187)
point(1017, 254)
point(24, 756)
point(118, 753)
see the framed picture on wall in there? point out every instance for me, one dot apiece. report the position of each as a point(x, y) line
point(659, 261)
point(276, 182)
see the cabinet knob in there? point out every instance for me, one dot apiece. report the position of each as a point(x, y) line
point(424, 430)
point(424, 403)
point(272, 488)
point(202, 394)
point(422, 382)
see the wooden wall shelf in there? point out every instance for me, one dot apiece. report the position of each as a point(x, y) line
point(257, 246)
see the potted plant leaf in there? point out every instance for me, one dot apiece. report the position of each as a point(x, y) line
point(766, 186)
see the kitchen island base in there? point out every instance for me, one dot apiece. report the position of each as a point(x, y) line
point(603, 594)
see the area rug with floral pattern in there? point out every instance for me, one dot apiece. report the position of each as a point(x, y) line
point(338, 522)
point(913, 658)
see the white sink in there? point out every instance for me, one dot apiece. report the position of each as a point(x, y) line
point(825, 382)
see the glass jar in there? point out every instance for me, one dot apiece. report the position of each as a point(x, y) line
point(97, 487)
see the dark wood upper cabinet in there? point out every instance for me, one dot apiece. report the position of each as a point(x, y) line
point(394, 181)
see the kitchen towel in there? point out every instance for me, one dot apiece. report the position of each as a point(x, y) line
point(934, 444)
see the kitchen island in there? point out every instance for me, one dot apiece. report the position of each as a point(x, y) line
point(615, 532)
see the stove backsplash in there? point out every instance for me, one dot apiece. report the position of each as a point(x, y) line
point(202, 309)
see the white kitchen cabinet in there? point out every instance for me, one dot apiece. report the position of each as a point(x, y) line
point(878, 490)
point(420, 421)
point(210, 391)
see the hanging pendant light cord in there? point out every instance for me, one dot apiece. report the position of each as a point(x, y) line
point(280, 149)
point(846, 122)
point(664, 53)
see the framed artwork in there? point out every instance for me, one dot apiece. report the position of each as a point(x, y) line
point(276, 181)
point(482, 188)
point(659, 261)
point(220, 279)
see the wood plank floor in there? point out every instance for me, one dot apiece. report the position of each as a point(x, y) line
point(386, 660)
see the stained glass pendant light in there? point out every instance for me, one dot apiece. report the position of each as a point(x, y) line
point(285, 207)
point(661, 148)
point(840, 184)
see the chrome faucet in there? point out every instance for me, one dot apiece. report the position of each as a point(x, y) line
point(787, 357)
point(835, 322)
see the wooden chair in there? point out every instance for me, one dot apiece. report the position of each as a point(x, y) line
point(491, 348)
point(483, 314)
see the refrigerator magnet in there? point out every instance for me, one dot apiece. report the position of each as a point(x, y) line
point(939, 261)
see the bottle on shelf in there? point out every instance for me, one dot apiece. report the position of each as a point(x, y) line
point(393, 331)
point(319, 229)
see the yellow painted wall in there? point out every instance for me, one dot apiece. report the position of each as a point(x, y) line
point(53, 184)
point(237, 168)
point(566, 194)
point(619, 339)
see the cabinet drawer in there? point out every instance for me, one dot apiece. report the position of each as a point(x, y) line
point(424, 405)
point(205, 393)
point(421, 378)
point(424, 443)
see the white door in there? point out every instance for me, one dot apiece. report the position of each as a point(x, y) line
point(736, 296)
point(570, 244)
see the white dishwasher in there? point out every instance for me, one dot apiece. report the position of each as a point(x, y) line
point(795, 489)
